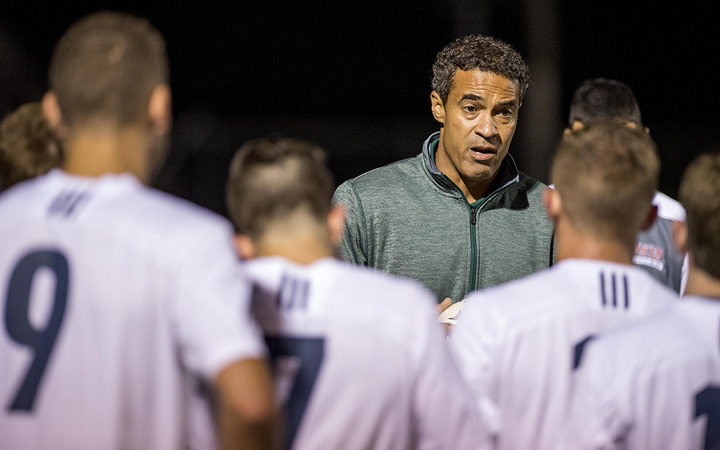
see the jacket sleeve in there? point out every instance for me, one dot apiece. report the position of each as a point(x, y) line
point(353, 246)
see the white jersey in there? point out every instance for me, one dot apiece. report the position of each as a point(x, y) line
point(113, 297)
point(360, 360)
point(655, 385)
point(517, 344)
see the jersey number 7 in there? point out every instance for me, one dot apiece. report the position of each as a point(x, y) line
point(309, 353)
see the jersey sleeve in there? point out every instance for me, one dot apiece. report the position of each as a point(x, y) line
point(211, 307)
point(446, 415)
point(472, 342)
point(353, 246)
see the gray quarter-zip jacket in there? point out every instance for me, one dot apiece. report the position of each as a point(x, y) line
point(409, 219)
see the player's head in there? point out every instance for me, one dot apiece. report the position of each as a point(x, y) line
point(280, 186)
point(700, 196)
point(602, 99)
point(105, 67)
point(28, 147)
point(606, 175)
point(484, 53)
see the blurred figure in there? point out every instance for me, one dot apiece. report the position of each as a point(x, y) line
point(118, 300)
point(518, 344)
point(657, 385)
point(28, 147)
point(359, 359)
point(602, 99)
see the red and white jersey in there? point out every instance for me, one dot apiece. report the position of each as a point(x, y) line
point(653, 385)
point(517, 344)
point(360, 360)
point(113, 298)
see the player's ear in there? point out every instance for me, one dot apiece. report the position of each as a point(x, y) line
point(679, 233)
point(576, 126)
point(437, 107)
point(650, 219)
point(51, 111)
point(553, 203)
point(336, 224)
point(244, 246)
point(160, 110)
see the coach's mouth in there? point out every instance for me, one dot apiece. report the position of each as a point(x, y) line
point(482, 153)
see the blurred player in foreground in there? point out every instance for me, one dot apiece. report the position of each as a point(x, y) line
point(657, 384)
point(115, 298)
point(28, 147)
point(601, 99)
point(517, 344)
point(359, 359)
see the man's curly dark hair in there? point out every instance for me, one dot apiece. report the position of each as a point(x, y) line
point(478, 52)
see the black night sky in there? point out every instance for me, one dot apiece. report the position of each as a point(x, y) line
point(354, 76)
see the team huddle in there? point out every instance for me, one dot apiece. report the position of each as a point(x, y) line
point(445, 301)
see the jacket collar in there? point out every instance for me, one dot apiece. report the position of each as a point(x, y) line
point(509, 173)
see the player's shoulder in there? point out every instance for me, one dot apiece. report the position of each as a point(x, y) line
point(25, 193)
point(123, 208)
point(345, 296)
point(371, 285)
point(668, 336)
point(668, 208)
point(163, 209)
point(376, 291)
point(524, 296)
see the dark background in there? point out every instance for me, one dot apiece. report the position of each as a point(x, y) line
point(354, 76)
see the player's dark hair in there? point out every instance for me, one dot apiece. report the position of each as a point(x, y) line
point(105, 67)
point(602, 99)
point(700, 196)
point(606, 174)
point(28, 147)
point(478, 52)
point(271, 178)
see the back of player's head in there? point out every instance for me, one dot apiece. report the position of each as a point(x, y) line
point(270, 179)
point(700, 195)
point(28, 146)
point(602, 99)
point(606, 175)
point(478, 52)
point(105, 67)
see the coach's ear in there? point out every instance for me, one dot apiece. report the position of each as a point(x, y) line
point(336, 224)
point(680, 234)
point(437, 107)
point(244, 246)
point(650, 219)
point(553, 203)
point(51, 111)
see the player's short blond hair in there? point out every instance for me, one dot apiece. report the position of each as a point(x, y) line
point(105, 67)
point(606, 175)
point(700, 195)
point(28, 147)
point(272, 178)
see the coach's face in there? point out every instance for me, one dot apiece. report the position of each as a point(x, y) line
point(479, 120)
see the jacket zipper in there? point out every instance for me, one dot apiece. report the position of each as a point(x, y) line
point(473, 251)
